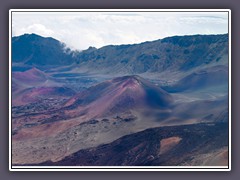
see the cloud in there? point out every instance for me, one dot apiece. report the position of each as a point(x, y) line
point(202, 19)
point(38, 29)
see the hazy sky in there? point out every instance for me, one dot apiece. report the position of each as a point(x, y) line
point(79, 30)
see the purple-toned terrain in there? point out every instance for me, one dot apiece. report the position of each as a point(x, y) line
point(118, 96)
point(159, 103)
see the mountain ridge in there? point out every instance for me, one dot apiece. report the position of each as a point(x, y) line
point(33, 49)
point(178, 53)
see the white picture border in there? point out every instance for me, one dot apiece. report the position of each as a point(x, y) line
point(116, 168)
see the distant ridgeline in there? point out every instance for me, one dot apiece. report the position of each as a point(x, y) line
point(181, 53)
point(32, 49)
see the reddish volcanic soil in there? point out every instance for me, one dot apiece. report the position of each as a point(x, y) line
point(220, 158)
point(168, 143)
point(31, 76)
point(31, 95)
point(106, 99)
point(142, 148)
point(119, 95)
point(22, 82)
point(94, 117)
point(45, 130)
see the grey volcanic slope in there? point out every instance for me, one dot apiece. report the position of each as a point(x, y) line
point(204, 110)
point(178, 53)
point(207, 78)
point(165, 146)
point(33, 49)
